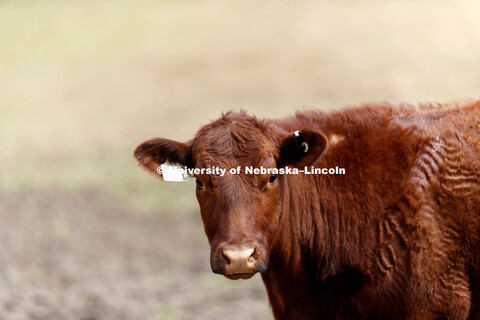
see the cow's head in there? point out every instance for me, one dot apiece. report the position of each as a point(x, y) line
point(240, 212)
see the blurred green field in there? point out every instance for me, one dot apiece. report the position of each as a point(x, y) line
point(83, 82)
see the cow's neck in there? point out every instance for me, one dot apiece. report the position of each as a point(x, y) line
point(314, 246)
point(312, 227)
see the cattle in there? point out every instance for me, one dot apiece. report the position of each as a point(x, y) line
point(396, 236)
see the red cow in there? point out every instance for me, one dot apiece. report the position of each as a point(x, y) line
point(395, 237)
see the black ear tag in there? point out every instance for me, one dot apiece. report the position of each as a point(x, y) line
point(305, 147)
point(301, 141)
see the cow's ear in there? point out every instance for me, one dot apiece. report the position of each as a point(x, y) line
point(302, 147)
point(153, 153)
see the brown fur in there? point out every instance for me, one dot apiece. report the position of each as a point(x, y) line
point(396, 237)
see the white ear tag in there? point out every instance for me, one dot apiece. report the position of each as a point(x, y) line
point(172, 172)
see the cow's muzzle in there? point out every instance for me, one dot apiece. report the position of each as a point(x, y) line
point(238, 260)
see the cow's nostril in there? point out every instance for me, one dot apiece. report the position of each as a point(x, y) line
point(253, 255)
point(224, 256)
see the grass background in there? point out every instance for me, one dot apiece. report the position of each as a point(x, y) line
point(83, 82)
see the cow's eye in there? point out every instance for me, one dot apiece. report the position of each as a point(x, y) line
point(272, 178)
point(199, 182)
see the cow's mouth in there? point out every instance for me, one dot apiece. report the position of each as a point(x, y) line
point(237, 276)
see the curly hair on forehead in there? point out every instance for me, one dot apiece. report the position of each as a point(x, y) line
point(234, 133)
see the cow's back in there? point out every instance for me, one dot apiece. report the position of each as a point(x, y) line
point(444, 191)
point(430, 203)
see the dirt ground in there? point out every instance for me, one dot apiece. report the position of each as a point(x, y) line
point(81, 256)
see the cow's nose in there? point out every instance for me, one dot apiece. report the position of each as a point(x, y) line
point(239, 258)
